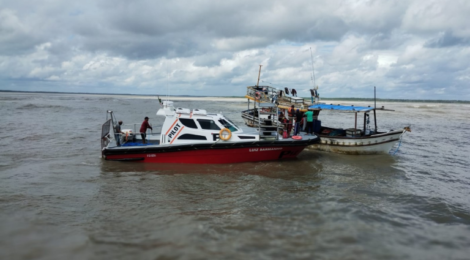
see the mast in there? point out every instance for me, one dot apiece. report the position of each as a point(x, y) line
point(375, 108)
point(375, 100)
point(313, 70)
point(259, 74)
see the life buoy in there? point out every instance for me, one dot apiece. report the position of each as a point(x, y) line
point(297, 137)
point(257, 95)
point(227, 136)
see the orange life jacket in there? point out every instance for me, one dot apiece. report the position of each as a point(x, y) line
point(291, 112)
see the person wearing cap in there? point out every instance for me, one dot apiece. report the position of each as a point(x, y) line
point(118, 132)
point(143, 129)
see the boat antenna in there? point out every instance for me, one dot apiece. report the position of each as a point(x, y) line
point(259, 74)
point(313, 70)
point(167, 88)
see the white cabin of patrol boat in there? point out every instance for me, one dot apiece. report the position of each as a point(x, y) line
point(182, 126)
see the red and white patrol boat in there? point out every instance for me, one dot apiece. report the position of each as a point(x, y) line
point(195, 136)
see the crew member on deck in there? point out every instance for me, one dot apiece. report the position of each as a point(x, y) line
point(309, 116)
point(298, 119)
point(118, 132)
point(291, 113)
point(143, 129)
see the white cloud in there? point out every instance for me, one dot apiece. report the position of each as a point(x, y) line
point(385, 60)
point(410, 49)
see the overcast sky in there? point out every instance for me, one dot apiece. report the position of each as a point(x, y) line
point(417, 49)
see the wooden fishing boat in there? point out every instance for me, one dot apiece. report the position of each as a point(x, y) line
point(354, 140)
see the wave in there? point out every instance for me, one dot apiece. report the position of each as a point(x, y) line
point(35, 106)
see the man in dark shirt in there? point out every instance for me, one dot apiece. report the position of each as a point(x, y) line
point(118, 132)
point(143, 129)
point(298, 120)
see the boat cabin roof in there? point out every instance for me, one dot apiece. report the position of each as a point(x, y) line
point(266, 105)
point(351, 108)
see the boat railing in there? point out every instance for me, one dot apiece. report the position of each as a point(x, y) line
point(261, 93)
point(105, 136)
point(136, 128)
point(271, 95)
point(293, 100)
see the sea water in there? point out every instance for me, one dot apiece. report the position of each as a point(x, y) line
point(60, 200)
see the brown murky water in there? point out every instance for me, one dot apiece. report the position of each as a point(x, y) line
point(59, 200)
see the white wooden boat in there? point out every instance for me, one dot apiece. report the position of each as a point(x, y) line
point(354, 140)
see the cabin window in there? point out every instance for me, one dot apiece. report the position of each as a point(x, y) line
point(228, 125)
point(188, 123)
point(191, 137)
point(231, 122)
point(208, 124)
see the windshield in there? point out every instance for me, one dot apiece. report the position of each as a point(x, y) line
point(230, 126)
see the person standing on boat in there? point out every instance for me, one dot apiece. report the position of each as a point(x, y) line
point(280, 116)
point(118, 132)
point(143, 129)
point(309, 116)
point(291, 113)
point(298, 120)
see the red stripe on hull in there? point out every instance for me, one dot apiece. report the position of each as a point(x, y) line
point(214, 156)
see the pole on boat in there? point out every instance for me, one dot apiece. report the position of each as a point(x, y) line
point(355, 121)
point(375, 99)
point(364, 122)
point(375, 107)
point(254, 112)
point(313, 70)
point(259, 74)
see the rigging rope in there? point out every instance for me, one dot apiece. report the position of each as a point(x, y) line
point(398, 147)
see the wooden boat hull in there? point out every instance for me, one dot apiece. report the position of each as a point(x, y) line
point(373, 144)
point(380, 143)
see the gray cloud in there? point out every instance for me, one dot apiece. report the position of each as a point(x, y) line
point(447, 39)
point(198, 46)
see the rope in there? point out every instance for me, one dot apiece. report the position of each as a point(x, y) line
point(399, 143)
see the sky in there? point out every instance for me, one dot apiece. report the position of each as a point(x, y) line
point(407, 49)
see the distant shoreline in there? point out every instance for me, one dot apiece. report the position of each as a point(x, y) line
point(183, 97)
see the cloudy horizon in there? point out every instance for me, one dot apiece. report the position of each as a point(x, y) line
point(408, 49)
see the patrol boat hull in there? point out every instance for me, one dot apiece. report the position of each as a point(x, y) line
point(210, 154)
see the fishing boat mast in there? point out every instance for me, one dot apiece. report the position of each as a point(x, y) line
point(313, 70)
point(259, 74)
point(257, 85)
point(375, 108)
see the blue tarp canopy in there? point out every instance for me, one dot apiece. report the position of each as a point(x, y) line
point(340, 107)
